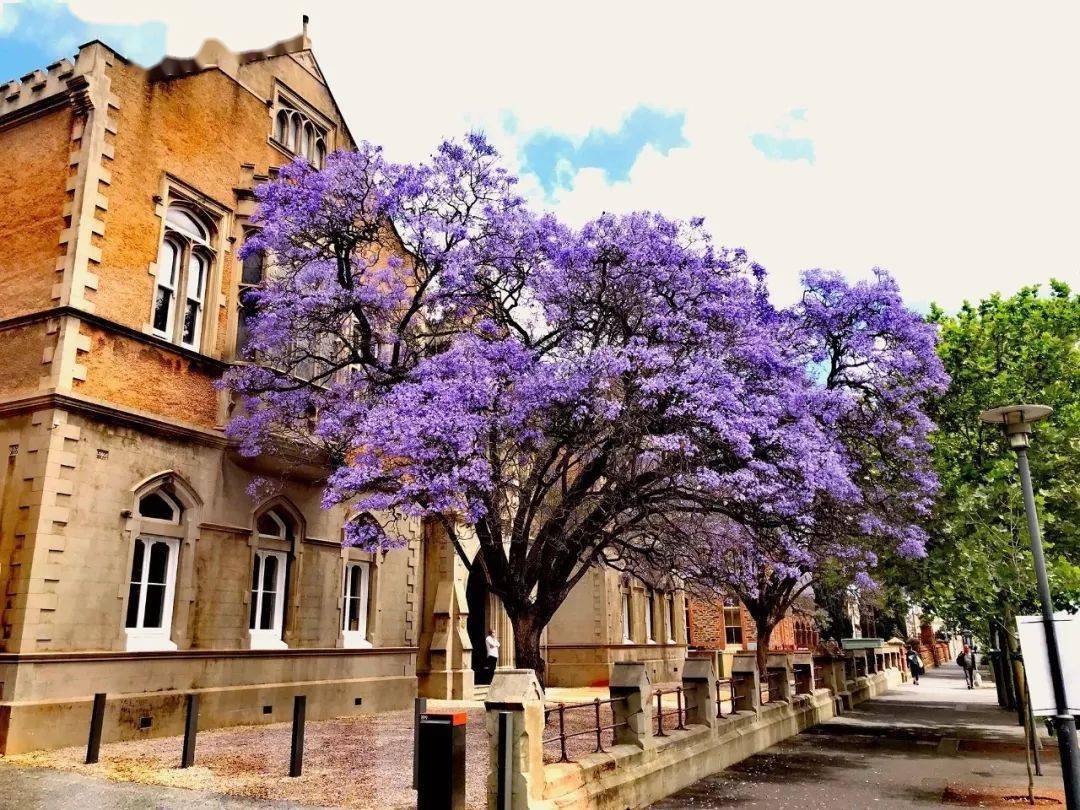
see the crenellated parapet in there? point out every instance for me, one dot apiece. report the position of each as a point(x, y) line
point(36, 87)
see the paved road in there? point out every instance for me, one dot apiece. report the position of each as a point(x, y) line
point(896, 751)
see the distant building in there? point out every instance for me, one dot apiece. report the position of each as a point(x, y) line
point(716, 624)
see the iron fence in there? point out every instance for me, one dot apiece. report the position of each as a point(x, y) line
point(573, 727)
point(772, 687)
point(678, 712)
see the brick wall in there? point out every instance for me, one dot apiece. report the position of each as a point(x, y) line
point(707, 627)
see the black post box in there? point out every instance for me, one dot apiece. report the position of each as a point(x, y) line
point(440, 783)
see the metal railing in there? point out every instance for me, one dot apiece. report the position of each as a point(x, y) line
point(679, 711)
point(727, 691)
point(803, 682)
point(772, 686)
point(559, 711)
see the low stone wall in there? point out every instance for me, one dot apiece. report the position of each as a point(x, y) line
point(640, 767)
point(47, 697)
point(629, 776)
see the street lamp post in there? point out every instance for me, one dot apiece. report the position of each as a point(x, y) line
point(1016, 421)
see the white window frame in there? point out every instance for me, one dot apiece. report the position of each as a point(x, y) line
point(191, 247)
point(171, 501)
point(144, 639)
point(650, 618)
point(356, 639)
point(626, 627)
point(738, 613)
point(200, 259)
point(162, 280)
point(269, 639)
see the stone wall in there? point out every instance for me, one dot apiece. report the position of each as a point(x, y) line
point(47, 698)
point(32, 198)
point(641, 767)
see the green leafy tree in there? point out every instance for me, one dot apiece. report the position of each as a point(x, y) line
point(978, 574)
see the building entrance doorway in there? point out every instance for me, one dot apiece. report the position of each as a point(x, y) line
point(476, 596)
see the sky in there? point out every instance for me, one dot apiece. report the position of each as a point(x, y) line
point(940, 141)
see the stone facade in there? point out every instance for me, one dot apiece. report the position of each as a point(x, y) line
point(133, 561)
point(610, 617)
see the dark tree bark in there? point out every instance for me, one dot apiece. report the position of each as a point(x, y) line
point(527, 655)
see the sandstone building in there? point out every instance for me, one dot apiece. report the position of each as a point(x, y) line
point(132, 560)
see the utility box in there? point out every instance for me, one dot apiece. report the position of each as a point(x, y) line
point(440, 782)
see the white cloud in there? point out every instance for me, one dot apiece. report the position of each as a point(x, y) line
point(945, 135)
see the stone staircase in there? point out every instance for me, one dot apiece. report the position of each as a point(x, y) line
point(480, 692)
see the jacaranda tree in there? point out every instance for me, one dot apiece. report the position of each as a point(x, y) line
point(871, 370)
point(550, 395)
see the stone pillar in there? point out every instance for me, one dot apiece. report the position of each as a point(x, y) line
point(518, 692)
point(631, 690)
point(781, 662)
point(699, 691)
point(745, 666)
point(444, 661)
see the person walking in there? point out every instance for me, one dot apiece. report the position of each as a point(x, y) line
point(492, 645)
point(915, 665)
point(966, 661)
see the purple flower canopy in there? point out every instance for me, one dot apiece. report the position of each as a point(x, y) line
point(457, 355)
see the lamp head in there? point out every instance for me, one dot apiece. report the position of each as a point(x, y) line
point(1016, 421)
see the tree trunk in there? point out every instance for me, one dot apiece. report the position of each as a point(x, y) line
point(527, 631)
point(764, 626)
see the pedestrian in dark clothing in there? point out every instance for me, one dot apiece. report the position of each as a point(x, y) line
point(915, 665)
point(966, 661)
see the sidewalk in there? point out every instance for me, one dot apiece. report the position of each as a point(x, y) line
point(933, 745)
point(941, 708)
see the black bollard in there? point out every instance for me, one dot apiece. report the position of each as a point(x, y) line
point(97, 719)
point(442, 761)
point(419, 707)
point(296, 756)
point(191, 728)
point(504, 796)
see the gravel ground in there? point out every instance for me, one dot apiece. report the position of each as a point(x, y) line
point(361, 762)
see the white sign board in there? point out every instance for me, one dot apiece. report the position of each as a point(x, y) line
point(1037, 664)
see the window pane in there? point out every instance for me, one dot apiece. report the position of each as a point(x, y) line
point(266, 618)
point(294, 133)
point(270, 525)
point(254, 607)
point(159, 563)
point(137, 561)
point(155, 604)
point(162, 304)
point(196, 281)
point(354, 614)
point(252, 270)
point(167, 264)
point(243, 324)
point(270, 568)
point(191, 321)
point(155, 506)
point(184, 222)
point(354, 581)
point(132, 619)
